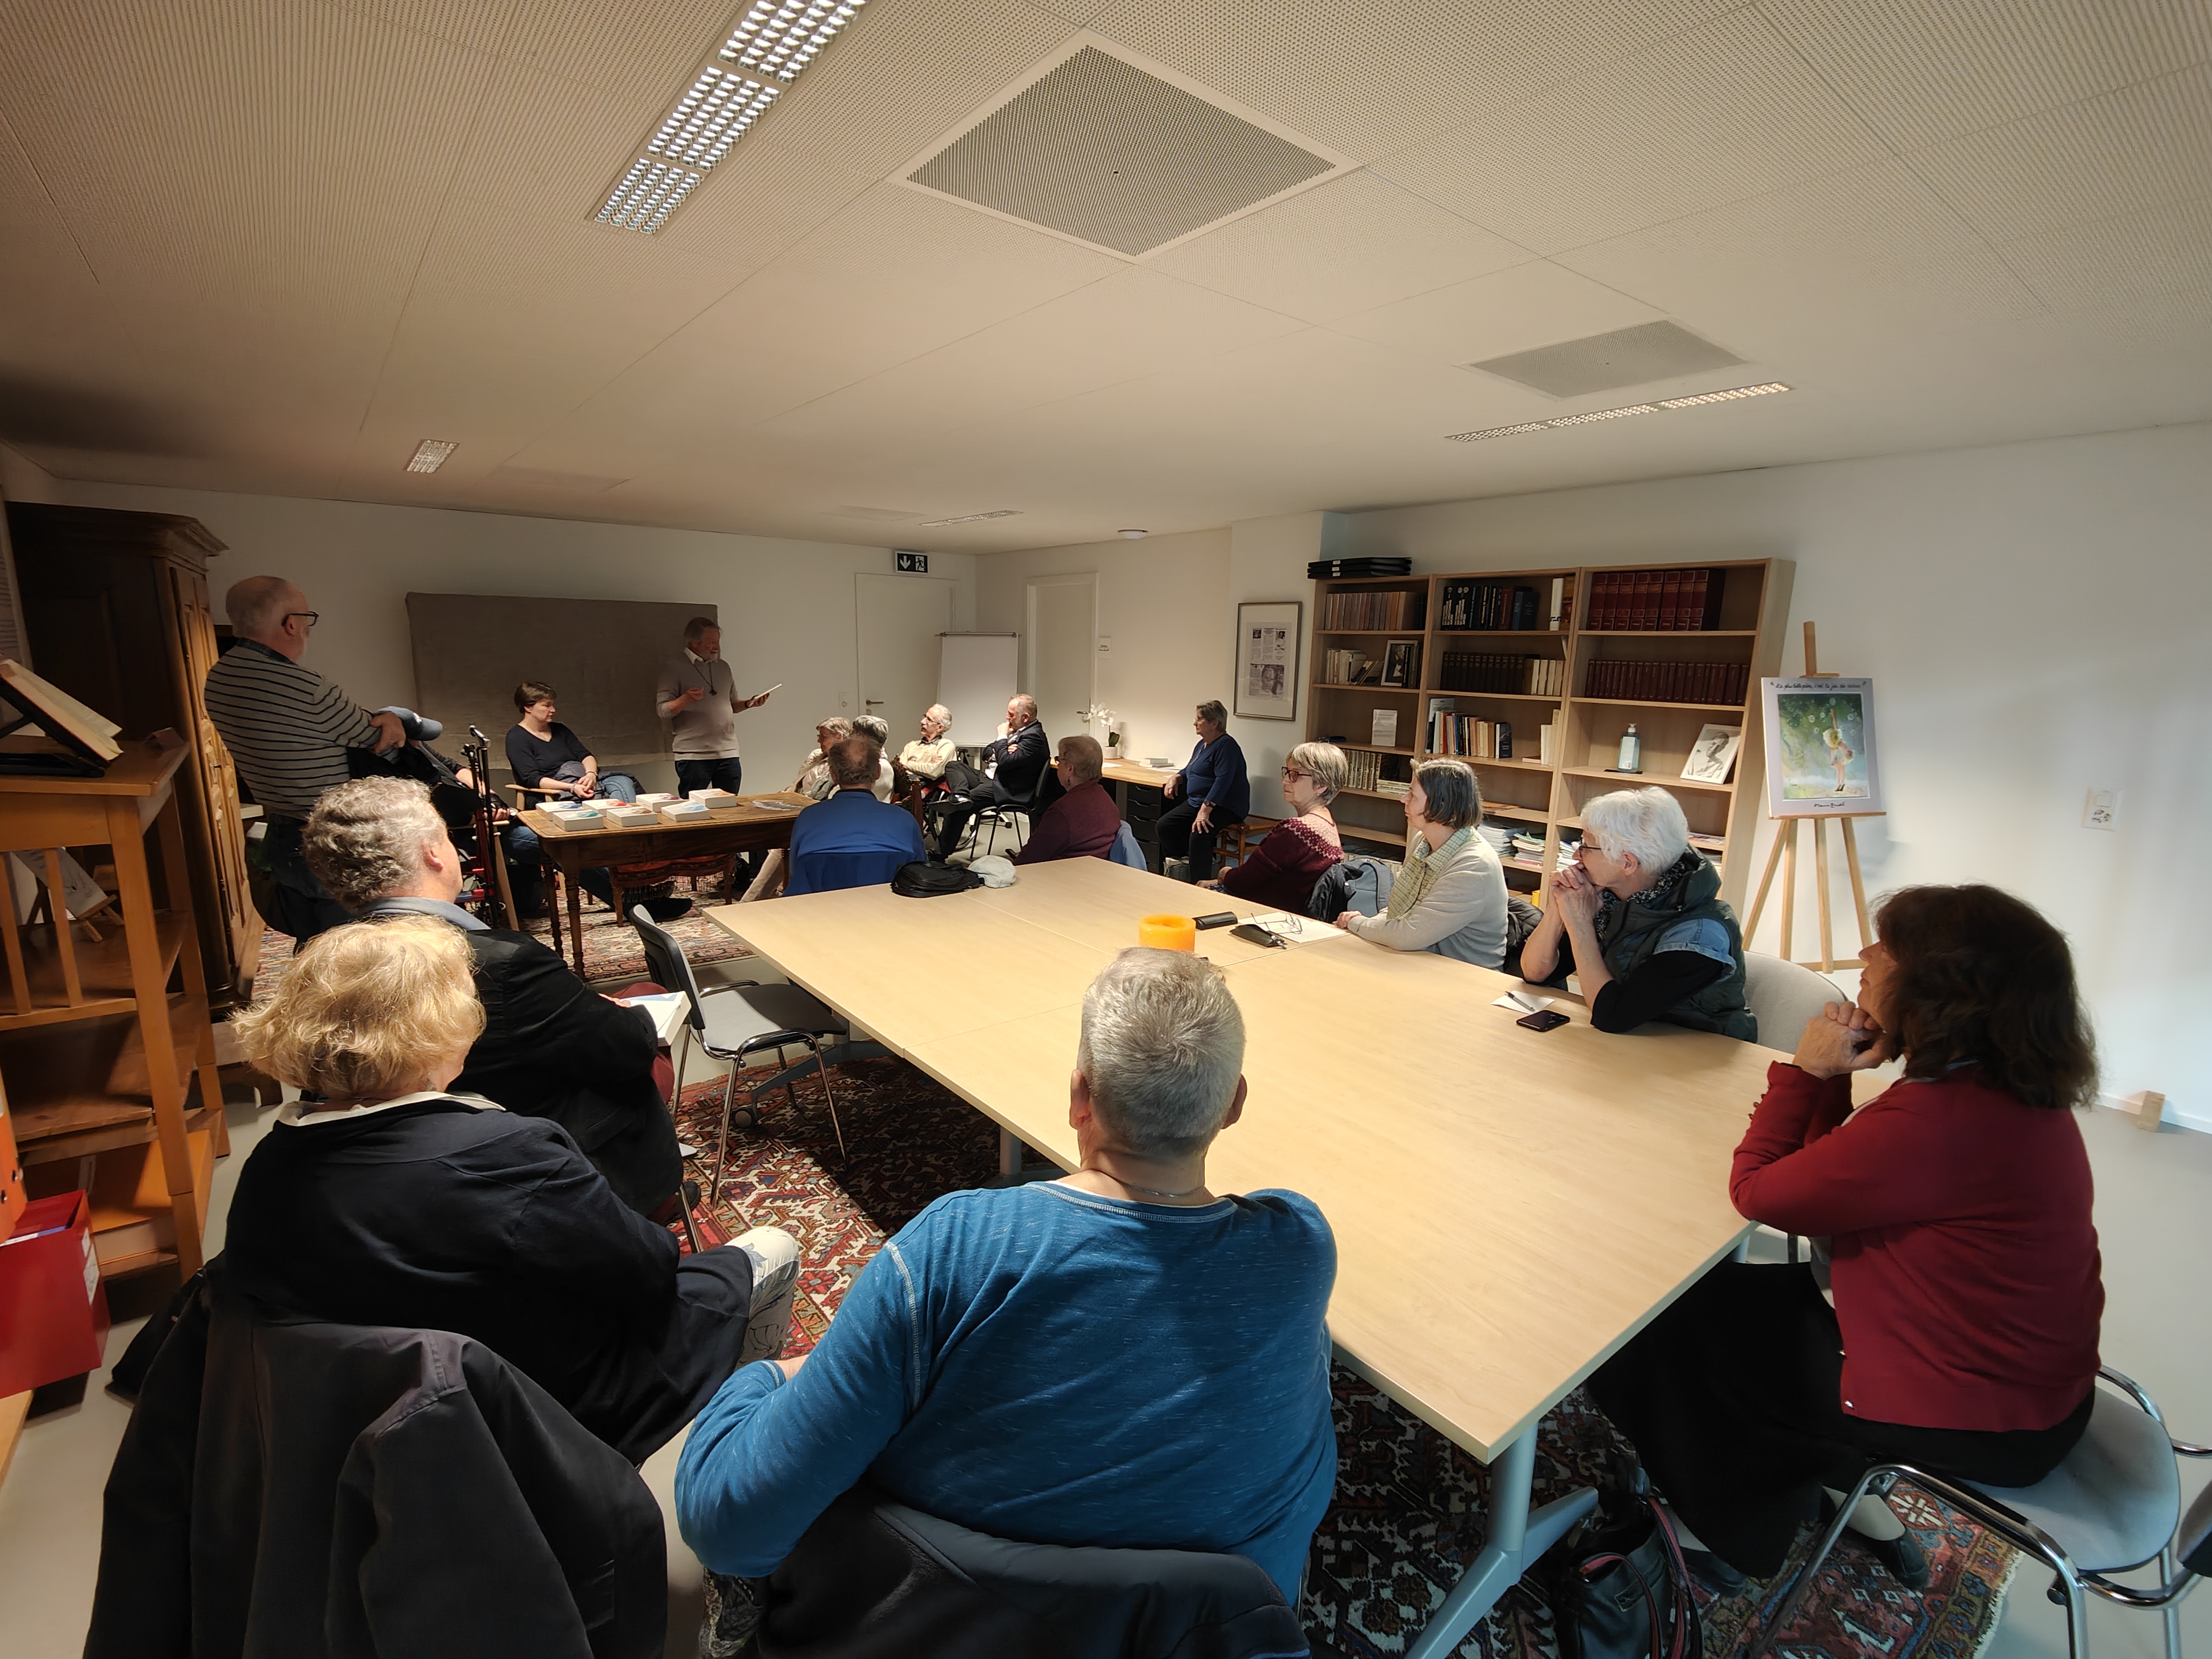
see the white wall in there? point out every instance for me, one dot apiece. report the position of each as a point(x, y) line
point(1164, 609)
point(787, 607)
point(2037, 619)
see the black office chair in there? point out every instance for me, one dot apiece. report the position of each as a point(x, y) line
point(872, 1576)
point(733, 1022)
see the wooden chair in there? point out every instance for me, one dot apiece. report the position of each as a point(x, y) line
point(1236, 841)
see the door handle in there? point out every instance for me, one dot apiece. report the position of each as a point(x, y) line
point(874, 702)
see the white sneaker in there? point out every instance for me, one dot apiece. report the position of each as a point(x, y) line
point(774, 1257)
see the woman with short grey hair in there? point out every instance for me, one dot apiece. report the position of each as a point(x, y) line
point(1450, 898)
point(1211, 792)
point(1639, 918)
point(1292, 857)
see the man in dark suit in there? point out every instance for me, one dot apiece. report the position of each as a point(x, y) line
point(551, 1047)
point(1022, 752)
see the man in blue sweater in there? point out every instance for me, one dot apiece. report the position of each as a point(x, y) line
point(1118, 1357)
point(852, 839)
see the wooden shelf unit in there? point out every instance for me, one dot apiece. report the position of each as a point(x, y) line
point(98, 1052)
point(1526, 792)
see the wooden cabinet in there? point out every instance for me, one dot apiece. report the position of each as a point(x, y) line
point(115, 611)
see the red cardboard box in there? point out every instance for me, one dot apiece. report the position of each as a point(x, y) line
point(53, 1308)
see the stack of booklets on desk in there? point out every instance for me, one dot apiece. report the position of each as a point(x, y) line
point(717, 800)
point(1324, 570)
point(639, 817)
point(1716, 683)
point(570, 819)
point(684, 811)
point(1656, 601)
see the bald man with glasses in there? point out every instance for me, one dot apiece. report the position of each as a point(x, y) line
point(289, 729)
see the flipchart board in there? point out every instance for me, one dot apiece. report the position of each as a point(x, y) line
point(975, 677)
point(472, 650)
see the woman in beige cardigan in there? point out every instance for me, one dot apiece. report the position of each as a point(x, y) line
point(1450, 898)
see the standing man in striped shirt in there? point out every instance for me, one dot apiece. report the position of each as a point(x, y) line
point(698, 696)
point(289, 729)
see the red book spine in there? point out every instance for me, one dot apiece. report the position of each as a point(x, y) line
point(1616, 600)
point(1700, 583)
point(1647, 601)
point(1670, 601)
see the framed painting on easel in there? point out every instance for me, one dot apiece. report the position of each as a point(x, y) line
point(1820, 748)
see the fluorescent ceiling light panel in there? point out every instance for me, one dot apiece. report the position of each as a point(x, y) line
point(970, 517)
point(1723, 397)
point(779, 41)
point(1655, 407)
point(762, 55)
point(430, 455)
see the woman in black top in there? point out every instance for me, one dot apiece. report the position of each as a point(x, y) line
point(546, 755)
point(389, 1200)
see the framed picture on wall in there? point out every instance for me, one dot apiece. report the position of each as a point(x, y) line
point(1820, 748)
point(1268, 659)
point(1402, 662)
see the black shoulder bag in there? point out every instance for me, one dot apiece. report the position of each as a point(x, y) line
point(1619, 1589)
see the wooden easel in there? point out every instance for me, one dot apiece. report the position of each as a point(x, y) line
point(1783, 852)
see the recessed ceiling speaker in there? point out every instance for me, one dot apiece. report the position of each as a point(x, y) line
point(1101, 151)
point(1602, 362)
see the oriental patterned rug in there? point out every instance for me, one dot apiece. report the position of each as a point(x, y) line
point(1410, 1507)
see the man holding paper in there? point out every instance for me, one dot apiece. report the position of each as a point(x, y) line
point(698, 696)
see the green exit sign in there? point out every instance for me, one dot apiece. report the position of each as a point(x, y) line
point(911, 564)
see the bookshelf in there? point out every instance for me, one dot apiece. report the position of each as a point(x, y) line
point(1529, 676)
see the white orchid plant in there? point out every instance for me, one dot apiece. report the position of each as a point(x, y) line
point(1096, 715)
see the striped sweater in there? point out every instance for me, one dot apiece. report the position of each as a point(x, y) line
point(285, 725)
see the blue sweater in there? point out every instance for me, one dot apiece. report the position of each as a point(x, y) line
point(1047, 1364)
point(1215, 772)
point(851, 840)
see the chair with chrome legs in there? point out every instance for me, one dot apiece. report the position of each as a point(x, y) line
point(731, 1022)
point(2110, 1507)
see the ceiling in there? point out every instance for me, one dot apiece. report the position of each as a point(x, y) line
point(270, 245)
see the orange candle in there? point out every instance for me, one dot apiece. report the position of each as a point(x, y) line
point(1167, 932)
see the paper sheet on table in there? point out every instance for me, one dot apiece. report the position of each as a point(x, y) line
point(1295, 930)
point(1522, 1002)
point(669, 1010)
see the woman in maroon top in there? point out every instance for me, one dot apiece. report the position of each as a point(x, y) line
point(1293, 856)
point(1964, 1263)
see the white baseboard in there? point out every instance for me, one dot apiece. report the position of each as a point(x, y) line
point(2181, 1118)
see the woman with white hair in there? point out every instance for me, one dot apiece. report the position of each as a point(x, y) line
point(1294, 855)
point(1450, 898)
point(1640, 919)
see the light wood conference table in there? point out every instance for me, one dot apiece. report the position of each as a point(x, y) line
point(1510, 1206)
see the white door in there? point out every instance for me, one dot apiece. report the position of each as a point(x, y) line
point(901, 617)
point(1062, 651)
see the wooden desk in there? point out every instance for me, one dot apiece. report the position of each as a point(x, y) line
point(571, 852)
point(1140, 793)
point(1510, 1206)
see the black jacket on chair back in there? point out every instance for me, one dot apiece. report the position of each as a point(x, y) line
point(292, 1490)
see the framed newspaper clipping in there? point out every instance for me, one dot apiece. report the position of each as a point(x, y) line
point(1268, 659)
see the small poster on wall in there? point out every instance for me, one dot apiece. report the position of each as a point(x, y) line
point(1820, 748)
point(1267, 660)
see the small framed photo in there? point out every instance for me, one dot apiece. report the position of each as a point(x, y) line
point(1712, 757)
point(1401, 663)
point(1267, 660)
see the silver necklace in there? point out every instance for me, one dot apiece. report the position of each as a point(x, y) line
point(1149, 1192)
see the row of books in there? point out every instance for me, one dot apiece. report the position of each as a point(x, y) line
point(1464, 734)
point(1346, 667)
point(1388, 609)
point(1668, 682)
point(1363, 769)
point(1470, 606)
point(1656, 601)
point(1477, 671)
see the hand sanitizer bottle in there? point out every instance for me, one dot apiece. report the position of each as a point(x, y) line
point(1631, 751)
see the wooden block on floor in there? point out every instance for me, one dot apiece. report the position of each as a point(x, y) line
point(2150, 1109)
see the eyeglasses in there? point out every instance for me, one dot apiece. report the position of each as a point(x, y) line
point(312, 617)
point(1293, 772)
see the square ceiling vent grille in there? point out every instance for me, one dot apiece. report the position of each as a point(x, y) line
point(1127, 158)
point(1602, 362)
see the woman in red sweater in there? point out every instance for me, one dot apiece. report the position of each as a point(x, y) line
point(1293, 856)
point(1964, 1263)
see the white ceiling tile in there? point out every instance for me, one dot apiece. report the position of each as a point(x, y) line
point(1535, 304)
point(1924, 70)
point(1349, 245)
point(1725, 112)
point(2153, 269)
point(1370, 76)
point(1134, 322)
point(2137, 149)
